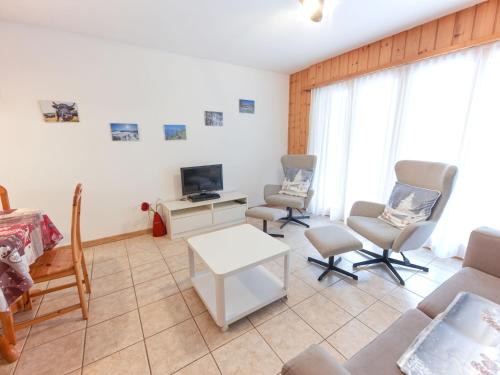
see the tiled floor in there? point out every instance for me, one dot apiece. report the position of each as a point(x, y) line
point(146, 319)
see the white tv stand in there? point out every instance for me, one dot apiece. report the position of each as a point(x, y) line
point(185, 218)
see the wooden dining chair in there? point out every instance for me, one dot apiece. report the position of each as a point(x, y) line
point(8, 338)
point(57, 263)
point(4, 198)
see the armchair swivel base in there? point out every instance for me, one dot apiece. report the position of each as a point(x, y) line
point(331, 266)
point(295, 219)
point(377, 258)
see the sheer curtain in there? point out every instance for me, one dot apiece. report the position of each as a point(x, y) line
point(442, 109)
point(331, 144)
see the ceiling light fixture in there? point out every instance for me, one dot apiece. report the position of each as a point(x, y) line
point(313, 9)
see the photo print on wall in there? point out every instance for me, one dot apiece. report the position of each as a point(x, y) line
point(175, 132)
point(124, 132)
point(59, 111)
point(247, 106)
point(213, 118)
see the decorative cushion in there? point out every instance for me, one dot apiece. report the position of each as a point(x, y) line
point(464, 339)
point(408, 205)
point(297, 182)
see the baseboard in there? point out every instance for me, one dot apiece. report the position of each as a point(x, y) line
point(117, 237)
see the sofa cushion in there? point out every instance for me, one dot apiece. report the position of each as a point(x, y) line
point(314, 361)
point(380, 356)
point(374, 230)
point(466, 280)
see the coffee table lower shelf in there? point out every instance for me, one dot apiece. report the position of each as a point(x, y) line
point(244, 292)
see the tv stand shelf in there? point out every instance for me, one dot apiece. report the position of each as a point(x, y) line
point(186, 218)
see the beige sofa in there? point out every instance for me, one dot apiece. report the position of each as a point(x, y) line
point(480, 274)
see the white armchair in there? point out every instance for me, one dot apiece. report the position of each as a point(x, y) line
point(272, 196)
point(363, 218)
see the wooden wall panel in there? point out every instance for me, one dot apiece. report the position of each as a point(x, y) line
point(311, 74)
point(428, 37)
point(373, 55)
point(303, 122)
point(398, 47)
point(327, 70)
point(335, 68)
point(444, 34)
point(497, 22)
point(484, 23)
point(464, 23)
point(319, 73)
point(385, 51)
point(473, 26)
point(353, 62)
point(344, 65)
point(293, 110)
point(363, 59)
point(412, 42)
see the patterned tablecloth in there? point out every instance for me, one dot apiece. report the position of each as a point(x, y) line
point(24, 236)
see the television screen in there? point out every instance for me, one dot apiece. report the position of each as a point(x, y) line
point(200, 179)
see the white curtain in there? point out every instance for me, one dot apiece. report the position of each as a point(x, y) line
point(332, 108)
point(443, 109)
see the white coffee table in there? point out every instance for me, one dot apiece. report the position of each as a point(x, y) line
point(236, 284)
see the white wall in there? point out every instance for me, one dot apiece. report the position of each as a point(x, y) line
point(40, 163)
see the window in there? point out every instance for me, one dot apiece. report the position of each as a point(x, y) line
point(442, 109)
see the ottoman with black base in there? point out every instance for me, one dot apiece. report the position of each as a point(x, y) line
point(331, 241)
point(266, 214)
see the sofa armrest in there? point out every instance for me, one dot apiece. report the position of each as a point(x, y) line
point(271, 190)
point(414, 236)
point(314, 360)
point(483, 251)
point(367, 209)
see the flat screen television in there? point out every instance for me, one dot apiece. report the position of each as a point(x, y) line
point(196, 180)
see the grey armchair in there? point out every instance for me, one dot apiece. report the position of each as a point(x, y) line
point(363, 218)
point(272, 196)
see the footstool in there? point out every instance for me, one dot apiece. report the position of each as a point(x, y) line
point(330, 241)
point(266, 214)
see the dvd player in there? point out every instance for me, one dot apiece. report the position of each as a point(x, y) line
point(203, 197)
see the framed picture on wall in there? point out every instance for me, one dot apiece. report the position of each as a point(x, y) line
point(247, 106)
point(213, 118)
point(175, 132)
point(58, 111)
point(124, 132)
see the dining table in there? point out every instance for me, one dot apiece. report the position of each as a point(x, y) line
point(24, 236)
